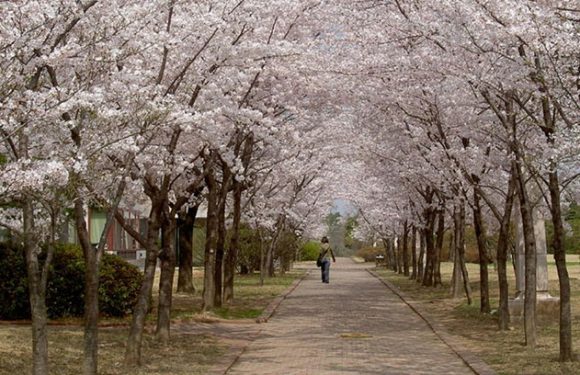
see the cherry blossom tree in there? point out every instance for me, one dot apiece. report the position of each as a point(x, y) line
point(55, 95)
point(456, 70)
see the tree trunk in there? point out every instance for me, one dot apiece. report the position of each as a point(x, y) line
point(527, 223)
point(460, 270)
point(428, 276)
point(566, 353)
point(429, 217)
point(456, 278)
point(549, 127)
point(395, 255)
point(422, 245)
point(390, 253)
point(268, 265)
point(232, 255)
point(262, 260)
point(393, 252)
point(270, 270)
point(91, 298)
point(485, 307)
point(246, 146)
point(167, 258)
point(438, 248)
point(400, 256)
point(133, 349)
point(91, 318)
point(209, 289)
point(92, 254)
point(220, 249)
point(502, 249)
point(221, 234)
point(461, 253)
point(39, 333)
point(530, 257)
point(406, 248)
point(37, 293)
point(185, 276)
point(414, 252)
point(452, 246)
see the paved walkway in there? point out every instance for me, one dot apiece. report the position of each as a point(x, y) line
point(354, 325)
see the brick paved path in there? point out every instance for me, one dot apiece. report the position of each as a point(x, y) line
point(354, 325)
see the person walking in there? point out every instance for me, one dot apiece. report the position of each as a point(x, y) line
point(325, 255)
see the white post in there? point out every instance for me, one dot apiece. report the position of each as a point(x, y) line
point(541, 255)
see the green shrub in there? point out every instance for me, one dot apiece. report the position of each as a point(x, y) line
point(249, 251)
point(65, 292)
point(118, 289)
point(198, 243)
point(369, 253)
point(286, 249)
point(13, 283)
point(119, 286)
point(310, 250)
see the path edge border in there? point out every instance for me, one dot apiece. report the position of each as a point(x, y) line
point(266, 315)
point(270, 310)
point(476, 364)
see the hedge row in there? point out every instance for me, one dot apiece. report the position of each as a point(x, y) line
point(118, 290)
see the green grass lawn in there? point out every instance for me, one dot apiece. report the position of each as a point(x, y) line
point(250, 299)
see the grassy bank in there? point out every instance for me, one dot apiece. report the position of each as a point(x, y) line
point(504, 351)
point(250, 299)
point(188, 352)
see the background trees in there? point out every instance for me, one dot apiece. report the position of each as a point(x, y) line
point(465, 85)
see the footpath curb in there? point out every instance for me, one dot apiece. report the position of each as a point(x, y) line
point(475, 363)
point(263, 318)
point(271, 308)
point(230, 359)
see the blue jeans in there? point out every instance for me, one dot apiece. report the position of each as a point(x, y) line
point(325, 269)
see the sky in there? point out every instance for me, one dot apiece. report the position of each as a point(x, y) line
point(343, 207)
